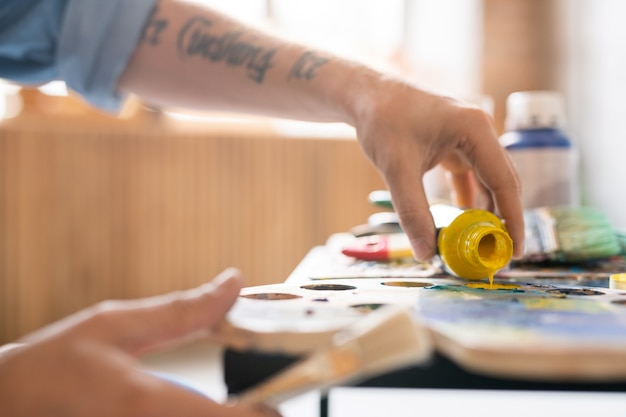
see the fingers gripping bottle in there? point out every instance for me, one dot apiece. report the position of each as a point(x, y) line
point(472, 244)
point(542, 153)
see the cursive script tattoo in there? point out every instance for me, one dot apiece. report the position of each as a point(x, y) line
point(196, 39)
point(306, 66)
point(154, 28)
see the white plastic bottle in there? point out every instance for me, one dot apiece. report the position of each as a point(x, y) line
point(544, 156)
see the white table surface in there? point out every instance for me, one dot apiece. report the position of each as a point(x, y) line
point(199, 366)
point(409, 402)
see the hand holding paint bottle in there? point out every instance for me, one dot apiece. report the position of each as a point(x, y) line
point(472, 244)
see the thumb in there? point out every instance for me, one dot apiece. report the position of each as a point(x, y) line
point(144, 324)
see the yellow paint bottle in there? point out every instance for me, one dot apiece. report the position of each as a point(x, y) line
point(472, 244)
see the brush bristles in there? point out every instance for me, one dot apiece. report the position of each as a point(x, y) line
point(584, 233)
point(385, 340)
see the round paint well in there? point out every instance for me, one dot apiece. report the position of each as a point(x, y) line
point(535, 285)
point(366, 308)
point(574, 291)
point(328, 287)
point(271, 296)
point(407, 284)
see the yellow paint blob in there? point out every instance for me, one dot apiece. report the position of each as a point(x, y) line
point(491, 286)
point(617, 281)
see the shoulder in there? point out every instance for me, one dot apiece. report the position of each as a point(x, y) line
point(28, 33)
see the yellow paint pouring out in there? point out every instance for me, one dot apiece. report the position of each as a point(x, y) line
point(491, 286)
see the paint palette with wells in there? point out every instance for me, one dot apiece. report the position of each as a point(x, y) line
point(520, 330)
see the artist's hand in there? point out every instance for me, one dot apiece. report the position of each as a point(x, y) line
point(406, 131)
point(86, 364)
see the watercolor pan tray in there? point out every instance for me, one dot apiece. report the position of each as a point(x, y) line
point(536, 332)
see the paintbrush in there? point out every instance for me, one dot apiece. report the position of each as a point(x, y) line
point(385, 340)
point(568, 234)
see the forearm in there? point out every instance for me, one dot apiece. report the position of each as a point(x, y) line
point(196, 58)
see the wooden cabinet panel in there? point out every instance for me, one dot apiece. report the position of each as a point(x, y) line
point(93, 211)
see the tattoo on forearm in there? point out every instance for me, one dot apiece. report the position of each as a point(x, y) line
point(196, 39)
point(306, 66)
point(154, 28)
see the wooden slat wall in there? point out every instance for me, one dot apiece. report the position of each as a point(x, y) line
point(93, 211)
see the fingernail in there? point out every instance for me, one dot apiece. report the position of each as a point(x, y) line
point(422, 250)
point(518, 252)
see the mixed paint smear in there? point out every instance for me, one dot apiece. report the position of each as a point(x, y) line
point(582, 314)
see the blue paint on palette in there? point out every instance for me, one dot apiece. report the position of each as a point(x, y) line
point(581, 314)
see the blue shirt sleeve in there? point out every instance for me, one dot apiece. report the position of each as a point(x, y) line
point(28, 32)
point(86, 43)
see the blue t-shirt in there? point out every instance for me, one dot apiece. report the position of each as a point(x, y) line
point(86, 43)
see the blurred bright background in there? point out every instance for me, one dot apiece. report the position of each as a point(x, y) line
point(94, 206)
